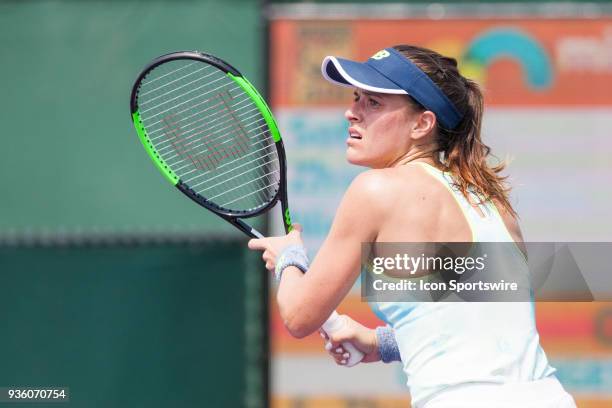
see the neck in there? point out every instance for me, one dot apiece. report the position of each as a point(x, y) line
point(416, 153)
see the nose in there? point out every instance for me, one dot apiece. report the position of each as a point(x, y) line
point(352, 113)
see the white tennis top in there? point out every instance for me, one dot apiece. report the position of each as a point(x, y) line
point(444, 345)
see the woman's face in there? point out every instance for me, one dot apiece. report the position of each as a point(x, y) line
point(380, 126)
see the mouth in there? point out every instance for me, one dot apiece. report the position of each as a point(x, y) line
point(354, 134)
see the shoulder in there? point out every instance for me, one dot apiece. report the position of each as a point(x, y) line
point(387, 181)
point(380, 190)
point(370, 183)
point(414, 205)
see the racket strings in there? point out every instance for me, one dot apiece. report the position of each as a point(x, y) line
point(235, 175)
point(201, 119)
point(213, 140)
point(210, 134)
point(225, 180)
point(257, 153)
point(188, 100)
point(219, 131)
point(181, 112)
point(154, 80)
point(181, 96)
point(240, 179)
point(179, 87)
point(218, 121)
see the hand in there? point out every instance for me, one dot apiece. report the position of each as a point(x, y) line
point(273, 246)
point(363, 338)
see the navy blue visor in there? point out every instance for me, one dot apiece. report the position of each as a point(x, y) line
point(388, 71)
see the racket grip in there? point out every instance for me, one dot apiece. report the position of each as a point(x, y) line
point(334, 323)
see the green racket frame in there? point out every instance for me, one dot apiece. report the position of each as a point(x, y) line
point(232, 217)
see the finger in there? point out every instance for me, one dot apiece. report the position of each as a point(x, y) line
point(342, 335)
point(341, 360)
point(269, 256)
point(297, 227)
point(336, 341)
point(337, 359)
point(257, 243)
point(270, 264)
point(339, 351)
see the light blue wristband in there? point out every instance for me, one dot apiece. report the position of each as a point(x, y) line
point(293, 255)
point(387, 345)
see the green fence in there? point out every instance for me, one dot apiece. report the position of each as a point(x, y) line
point(148, 325)
point(110, 281)
point(71, 158)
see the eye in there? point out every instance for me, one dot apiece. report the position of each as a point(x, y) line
point(373, 102)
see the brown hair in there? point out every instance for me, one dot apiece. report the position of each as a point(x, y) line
point(463, 153)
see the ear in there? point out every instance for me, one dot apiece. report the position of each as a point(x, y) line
point(424, 124)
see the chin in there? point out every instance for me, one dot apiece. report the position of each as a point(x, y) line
point(356, 160)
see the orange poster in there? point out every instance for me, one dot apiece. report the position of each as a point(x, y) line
point(518, 62)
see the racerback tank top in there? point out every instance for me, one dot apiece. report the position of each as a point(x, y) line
point(447, 344)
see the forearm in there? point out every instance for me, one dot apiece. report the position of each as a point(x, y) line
point(302, 318)
point(307, 300)
point(291, 305)
point(301, 314)
point(301, 321)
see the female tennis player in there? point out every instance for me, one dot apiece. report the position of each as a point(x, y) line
point(415, 123)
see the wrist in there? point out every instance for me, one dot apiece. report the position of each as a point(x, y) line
point(292, 255)
point(375, 353)
point(387, 345)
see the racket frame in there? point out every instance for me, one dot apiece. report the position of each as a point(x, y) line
point(233, 217)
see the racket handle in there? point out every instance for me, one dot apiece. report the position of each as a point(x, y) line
point(334, 323)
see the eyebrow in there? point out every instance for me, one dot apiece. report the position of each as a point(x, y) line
point(368, 93)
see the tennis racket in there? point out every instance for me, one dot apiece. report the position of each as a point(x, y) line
point(212, 136)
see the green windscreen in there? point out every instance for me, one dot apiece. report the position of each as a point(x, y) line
point(147, 325)
point(72, 159)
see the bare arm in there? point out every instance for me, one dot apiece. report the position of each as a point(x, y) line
point(306, 300)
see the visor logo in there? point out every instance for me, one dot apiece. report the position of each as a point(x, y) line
point(381, 54)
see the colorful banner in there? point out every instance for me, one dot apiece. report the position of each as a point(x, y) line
point(519, 62)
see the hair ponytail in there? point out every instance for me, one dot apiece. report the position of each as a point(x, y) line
point(461, 150)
